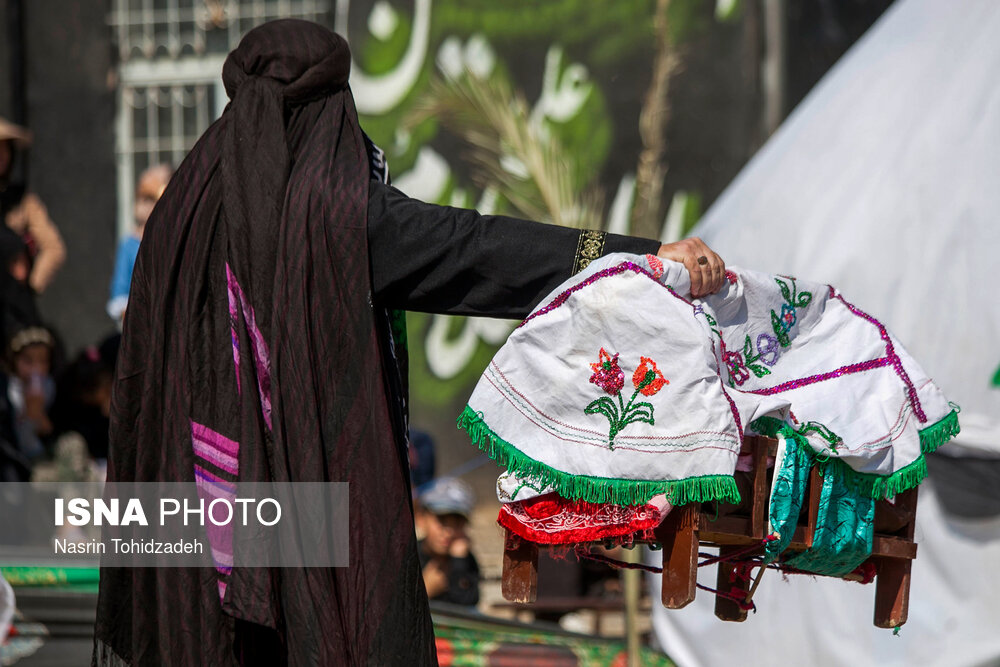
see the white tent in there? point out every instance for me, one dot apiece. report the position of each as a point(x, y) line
point(885, 182)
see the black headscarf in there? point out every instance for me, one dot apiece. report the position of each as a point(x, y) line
point(250, 313)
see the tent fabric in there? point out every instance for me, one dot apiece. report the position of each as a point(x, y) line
point(883, 182)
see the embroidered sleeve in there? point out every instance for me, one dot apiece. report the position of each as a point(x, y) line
point(589, 248)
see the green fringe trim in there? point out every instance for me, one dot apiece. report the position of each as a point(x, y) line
point(937, 434)
point(868, 484)
point(595, 489)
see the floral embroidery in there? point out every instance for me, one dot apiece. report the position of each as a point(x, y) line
point(656, 265)
point(648, 379)
point(740, 365)
point(738, 373)
point(768, 351)
point(783, 323)
point(608, 375)
point(787, 317)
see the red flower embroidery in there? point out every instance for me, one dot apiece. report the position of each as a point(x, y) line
point(648, 379)
point(738, 372)
point(608, 375)
point(656, 265)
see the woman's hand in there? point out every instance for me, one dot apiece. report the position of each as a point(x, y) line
point(707, 270)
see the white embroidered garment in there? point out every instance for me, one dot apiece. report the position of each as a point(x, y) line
point(618, 387)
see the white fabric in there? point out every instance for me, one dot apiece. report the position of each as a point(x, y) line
point(6, 608)
point(885, 182)
point(821, 621)
point(535, 391)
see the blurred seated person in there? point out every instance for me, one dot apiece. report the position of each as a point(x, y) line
point(152, 183)
point(29, 389)
point(24, 213)
point(451, 573)
point(80, 417)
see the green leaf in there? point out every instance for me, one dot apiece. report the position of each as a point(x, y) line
point(604, 406)
point(804, 299)
point(759, 370)
point(779, 330)
point(785, 292)
point(748, 349)
point(642, 412)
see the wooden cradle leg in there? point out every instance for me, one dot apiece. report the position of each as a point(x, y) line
point(892, 581)
point(760, 497)
point(892, 591)
point(679, 536)
point(726, 609)
point(519, 580)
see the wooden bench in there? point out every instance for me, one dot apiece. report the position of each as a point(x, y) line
point(686, 527)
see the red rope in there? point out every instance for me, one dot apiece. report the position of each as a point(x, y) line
point(738, 598)
point(709, 559)
point(742, 570)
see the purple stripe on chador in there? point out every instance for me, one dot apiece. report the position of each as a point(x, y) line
point(223, 560)
point(233, 320)
point(215, 439)
point(222, 460)
point(220, 538)
point(203, 476)
point(261, 355)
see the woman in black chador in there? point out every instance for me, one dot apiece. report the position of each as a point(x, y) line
point(258, 323)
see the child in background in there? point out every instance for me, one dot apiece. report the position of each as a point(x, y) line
point(30, 388)
point(152, 183)
point(451, 573)
point(80, 415)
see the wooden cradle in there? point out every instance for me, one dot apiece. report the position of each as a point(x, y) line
point(686, 527)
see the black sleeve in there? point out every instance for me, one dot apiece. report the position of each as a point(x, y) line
point(439, 259)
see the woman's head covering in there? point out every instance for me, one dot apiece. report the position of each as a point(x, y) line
point(21, 136)
point(249, 324)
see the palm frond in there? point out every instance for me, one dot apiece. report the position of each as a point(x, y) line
point(509, 153)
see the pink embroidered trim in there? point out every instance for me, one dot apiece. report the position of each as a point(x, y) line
point(859, 367)
point(897, 363)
